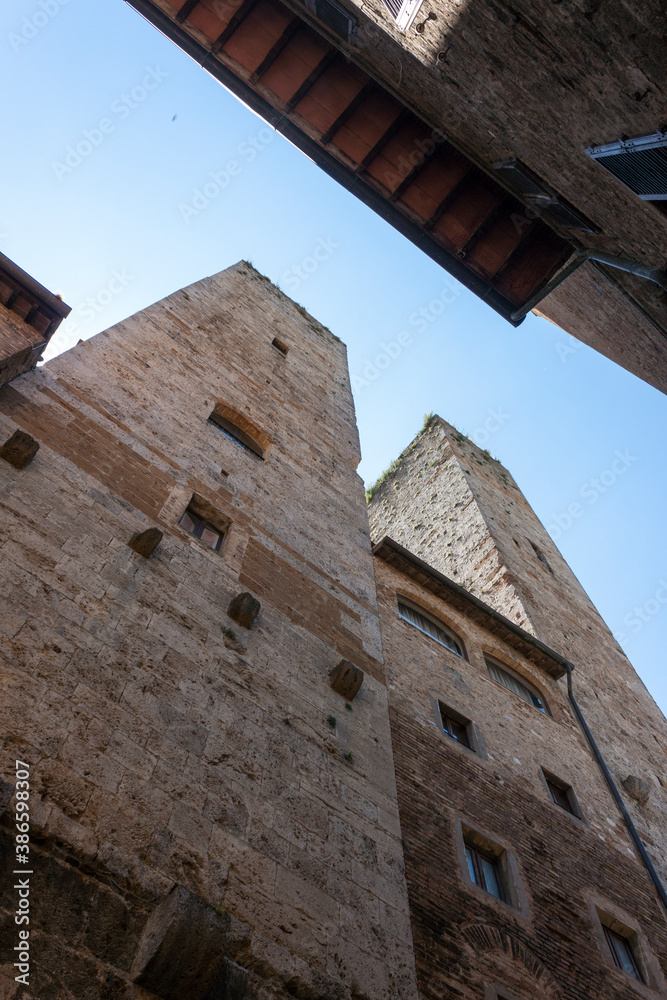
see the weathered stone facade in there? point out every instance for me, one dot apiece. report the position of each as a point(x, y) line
point(241, 788)
point(169, 744)
point(458, 509)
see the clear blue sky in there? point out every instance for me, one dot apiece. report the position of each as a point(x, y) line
point(122, 227)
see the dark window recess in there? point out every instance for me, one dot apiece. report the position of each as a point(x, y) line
point(541, 556)
point(236, 435)
point(512, 683)
point(454, 726)
point(484, 871)
point(622, 953)
point(537, 194)
point(206, 533)
point(334, 16)
point(278, 344)
point(639, 163)
point(427, 625)
point(561, 794)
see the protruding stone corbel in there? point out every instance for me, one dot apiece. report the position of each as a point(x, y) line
point(19, 449)
point(636, 788)
point(244, 608)
point(346, 679)
point(182, 948)
point(145, 542)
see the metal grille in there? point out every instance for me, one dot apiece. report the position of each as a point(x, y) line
point(334, 16)
point(640, 163)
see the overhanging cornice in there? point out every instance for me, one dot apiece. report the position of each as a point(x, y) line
point(458, 597)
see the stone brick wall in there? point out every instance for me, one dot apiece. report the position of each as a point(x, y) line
point(458, 509)
point(545, 942)
point(188, 772)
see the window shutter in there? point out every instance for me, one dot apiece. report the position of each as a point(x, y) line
point(640, 163)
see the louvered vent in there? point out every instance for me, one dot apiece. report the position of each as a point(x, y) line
point(402, 11)
point(334, 17)
point(538, 195)
point(640, 163)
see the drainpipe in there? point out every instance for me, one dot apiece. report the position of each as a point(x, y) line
point(655, 878)
point(651, 273)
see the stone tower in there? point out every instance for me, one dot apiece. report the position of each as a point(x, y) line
point(185, 561)
point(490, 756)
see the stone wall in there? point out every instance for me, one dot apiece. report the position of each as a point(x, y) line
point(545, 940)
point(193, 780)
point(458, 509)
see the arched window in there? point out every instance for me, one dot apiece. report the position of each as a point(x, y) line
point(431, 626)
point(239, 429)
point(517, 684)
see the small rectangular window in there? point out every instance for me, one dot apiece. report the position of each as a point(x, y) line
point(455, 726)
point(208, 535)
point(279, 346)
point(622, 952)
point(561, 793)
point(484, 871)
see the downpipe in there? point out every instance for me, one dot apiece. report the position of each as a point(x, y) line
point(655, 878)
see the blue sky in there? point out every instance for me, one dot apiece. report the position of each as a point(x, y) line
point(122, 225)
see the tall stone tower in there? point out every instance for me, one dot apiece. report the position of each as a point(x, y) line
point(525, 880)
point(189, 609)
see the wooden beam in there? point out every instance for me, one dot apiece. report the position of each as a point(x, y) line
point(234, 23)
point(383, 140)
point(185, 11)
point(312, 78)
point(273, 53)
point(348, 112)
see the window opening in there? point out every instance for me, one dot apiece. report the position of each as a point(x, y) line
point(402, 11)
point(454, 726)
point(622, 953)
point(236, 435)
point(484, 871)
point(435, 630)
point(513, 683)
point(205, 532)
point(561, 794)
point(278, 344)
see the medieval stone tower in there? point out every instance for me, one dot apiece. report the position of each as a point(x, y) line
point(263, 758)
point(492, 762)
point(205, 809)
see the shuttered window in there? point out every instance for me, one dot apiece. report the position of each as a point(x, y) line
point(402, 11)
point(640, 163)
point(426, 624)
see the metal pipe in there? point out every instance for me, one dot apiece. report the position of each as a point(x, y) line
point(655, 878)
point(632, 266)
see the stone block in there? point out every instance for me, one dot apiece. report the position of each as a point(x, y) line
point(636, 789)
point(145, 542)
point(244, 608)
point(346, 679)
point(182, 948)
point(19, 450)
